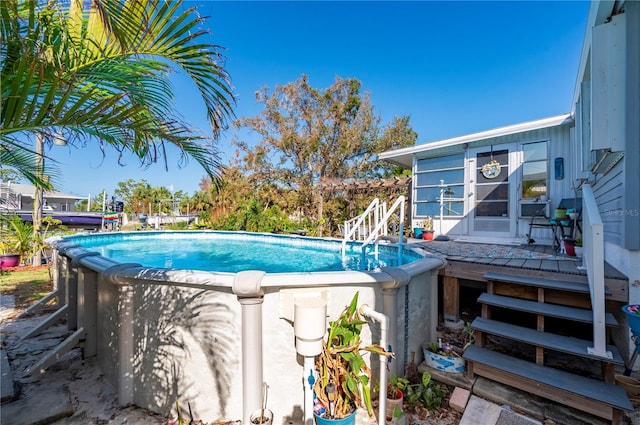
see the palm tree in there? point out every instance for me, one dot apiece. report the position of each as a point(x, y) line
point(99, 71)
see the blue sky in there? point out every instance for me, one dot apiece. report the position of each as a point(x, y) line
point(453, 67)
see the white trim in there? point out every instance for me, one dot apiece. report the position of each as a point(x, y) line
point(404, 156)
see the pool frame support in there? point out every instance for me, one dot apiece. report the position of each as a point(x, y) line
point(247, 286)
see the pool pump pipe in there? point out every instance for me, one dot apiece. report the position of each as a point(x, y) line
point(309, 327)
point(376, 316)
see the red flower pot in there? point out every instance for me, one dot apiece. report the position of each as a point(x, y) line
point(427, 235)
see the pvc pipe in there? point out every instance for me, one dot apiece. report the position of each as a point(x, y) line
point(309, 326)
point(367, 311)
point(308, 379)
point(389, 306)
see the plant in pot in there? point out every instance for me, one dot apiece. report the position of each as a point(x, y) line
point(417, 229)
point(394, 395)
point(16, 240)
point(444, 357)
point(427, 229)
point(343, 375)
point(578, 247)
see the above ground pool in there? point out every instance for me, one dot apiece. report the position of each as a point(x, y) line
point(237, 251)
point(208, 319)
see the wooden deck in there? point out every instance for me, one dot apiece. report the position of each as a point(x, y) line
point(560, 267)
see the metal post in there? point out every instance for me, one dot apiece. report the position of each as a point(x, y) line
point(37, 199)
point(441, 203)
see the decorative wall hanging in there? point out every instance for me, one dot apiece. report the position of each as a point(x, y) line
point(491, 169)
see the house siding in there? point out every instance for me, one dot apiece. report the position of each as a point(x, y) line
point(609, 193)
point(631, 230)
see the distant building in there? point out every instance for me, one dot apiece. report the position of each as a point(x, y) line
point(20, 197)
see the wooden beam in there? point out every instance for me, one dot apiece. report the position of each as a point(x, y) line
point(451, 299)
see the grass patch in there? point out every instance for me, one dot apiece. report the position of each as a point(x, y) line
point(27, 286)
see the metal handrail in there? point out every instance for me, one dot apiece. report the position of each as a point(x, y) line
point(593, 262)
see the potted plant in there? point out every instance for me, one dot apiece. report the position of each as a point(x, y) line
point(427, 229)
point(395, 396)
point(444, 357)
point(16, 239)
point(417, 229)
point(569, 245)
point(343, 376)
point(578, 247)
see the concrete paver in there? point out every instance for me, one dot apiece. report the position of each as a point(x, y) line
point(41, 406)
point(480, 412)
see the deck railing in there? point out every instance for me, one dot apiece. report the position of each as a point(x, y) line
point(593, 262)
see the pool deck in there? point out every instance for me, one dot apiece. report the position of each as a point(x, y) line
point(470, 261)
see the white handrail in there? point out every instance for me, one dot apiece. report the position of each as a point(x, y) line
point(355, 225)
point(593, 261)
point(382, 224)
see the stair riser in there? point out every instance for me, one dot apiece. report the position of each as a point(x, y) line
point(571, 299)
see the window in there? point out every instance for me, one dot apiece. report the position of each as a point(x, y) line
point(535, 170)
point(428, 176)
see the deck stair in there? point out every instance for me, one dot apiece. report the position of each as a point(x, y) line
point(542, 302)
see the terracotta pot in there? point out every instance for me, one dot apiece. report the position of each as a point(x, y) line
point(427, 235)
point(392, 403)
point(264, 417)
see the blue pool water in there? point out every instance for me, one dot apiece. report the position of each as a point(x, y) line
point(232, 251)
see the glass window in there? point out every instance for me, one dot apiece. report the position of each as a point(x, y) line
point(429, 173)
point(535, 170)
point(440, 163)
point(433, 179)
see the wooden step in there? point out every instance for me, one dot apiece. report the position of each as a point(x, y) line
point(550, 310)
point(539, 282)
point(564, 344)
point(589, 395)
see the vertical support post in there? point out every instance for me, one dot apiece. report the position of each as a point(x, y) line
point(88, 307)
point(451, 299)
point(37, 198)
point(252, 372)
point(247, 286)
point(60, 274)
point(72, 294)
point(126, 344)
point(434, 307)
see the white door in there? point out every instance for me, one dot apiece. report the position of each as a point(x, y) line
point(492, 188)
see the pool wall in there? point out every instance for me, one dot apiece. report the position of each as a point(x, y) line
point(210, 339)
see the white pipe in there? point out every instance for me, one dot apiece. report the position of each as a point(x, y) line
point(367, 311)
point(307, 382)
point(389, 296)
